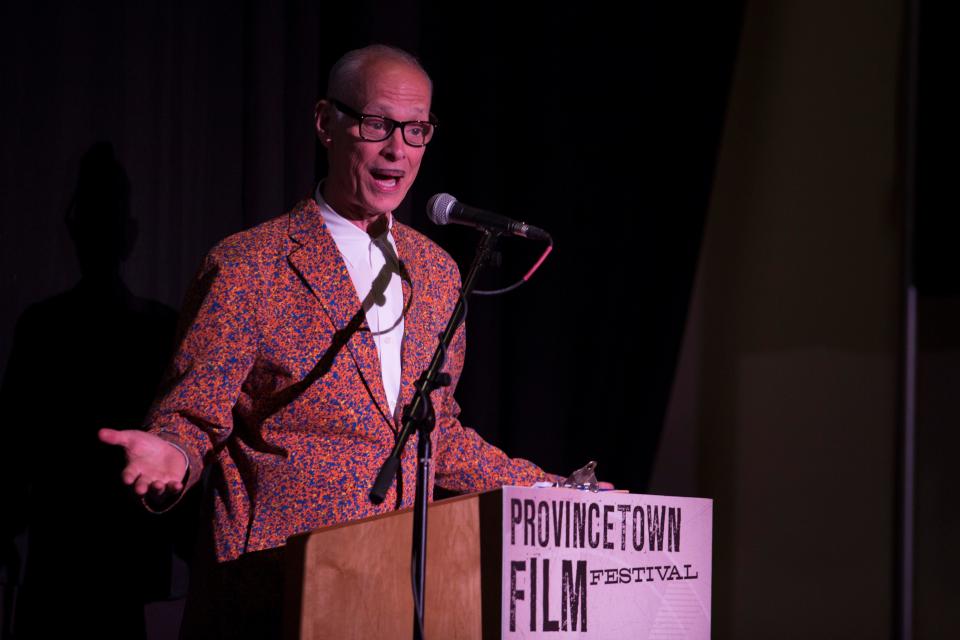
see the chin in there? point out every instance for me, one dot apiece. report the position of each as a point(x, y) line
point(383, 205)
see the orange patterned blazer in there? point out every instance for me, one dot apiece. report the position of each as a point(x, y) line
point(276, 384)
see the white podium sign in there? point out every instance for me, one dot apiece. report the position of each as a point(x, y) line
point(605, 565)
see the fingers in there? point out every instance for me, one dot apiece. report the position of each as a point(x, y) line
point(159, 486)
point(155, 487)
point(130, 474)
point(141, 485)
point(149, 482)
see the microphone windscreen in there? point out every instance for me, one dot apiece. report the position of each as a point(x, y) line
point(439, 207)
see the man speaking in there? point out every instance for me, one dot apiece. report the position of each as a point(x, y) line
point(302, 339)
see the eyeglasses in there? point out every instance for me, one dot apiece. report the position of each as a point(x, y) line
point(416, 133)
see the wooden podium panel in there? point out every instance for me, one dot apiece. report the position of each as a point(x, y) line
point(354, 580)
point(517, 563)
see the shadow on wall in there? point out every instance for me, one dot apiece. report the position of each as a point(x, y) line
point(79, 551)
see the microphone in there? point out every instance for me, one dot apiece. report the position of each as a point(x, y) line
point(443, 209)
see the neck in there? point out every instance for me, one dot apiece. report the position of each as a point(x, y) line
point(373, 225)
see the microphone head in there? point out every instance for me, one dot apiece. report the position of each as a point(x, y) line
point(439, 207)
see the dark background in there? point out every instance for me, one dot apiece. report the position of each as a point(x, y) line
point(607, 142)
point(603, 123)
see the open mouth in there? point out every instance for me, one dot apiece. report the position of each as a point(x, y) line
point(387, 179)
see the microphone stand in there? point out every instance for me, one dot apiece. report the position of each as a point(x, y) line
point(419, 415)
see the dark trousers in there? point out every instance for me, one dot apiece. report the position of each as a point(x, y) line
point(236, 600)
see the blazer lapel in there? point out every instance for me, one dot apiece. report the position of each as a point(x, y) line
point(418, 342)
point(317, 261)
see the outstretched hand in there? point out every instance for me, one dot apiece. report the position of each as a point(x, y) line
point(153, 464)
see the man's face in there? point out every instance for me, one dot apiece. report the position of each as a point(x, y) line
point(368, 179)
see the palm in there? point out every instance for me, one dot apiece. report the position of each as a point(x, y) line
point(152, 462)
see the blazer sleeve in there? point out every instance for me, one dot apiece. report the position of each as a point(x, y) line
point(464, 460)
point(219, 343)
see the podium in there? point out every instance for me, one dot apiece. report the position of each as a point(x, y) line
point(511, 563)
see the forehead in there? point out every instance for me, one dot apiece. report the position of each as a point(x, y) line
point(394, 89)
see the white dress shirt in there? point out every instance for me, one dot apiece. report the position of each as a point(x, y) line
point(366, 257)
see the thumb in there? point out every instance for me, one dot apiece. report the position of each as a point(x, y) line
point(112, 436)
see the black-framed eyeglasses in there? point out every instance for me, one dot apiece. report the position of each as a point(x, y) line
point(416, 133)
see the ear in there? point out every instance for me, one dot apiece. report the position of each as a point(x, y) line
point(323, 121)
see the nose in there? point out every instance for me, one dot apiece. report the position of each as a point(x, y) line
point(394, 147)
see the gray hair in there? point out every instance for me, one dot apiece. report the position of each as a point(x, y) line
point(345, 72)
